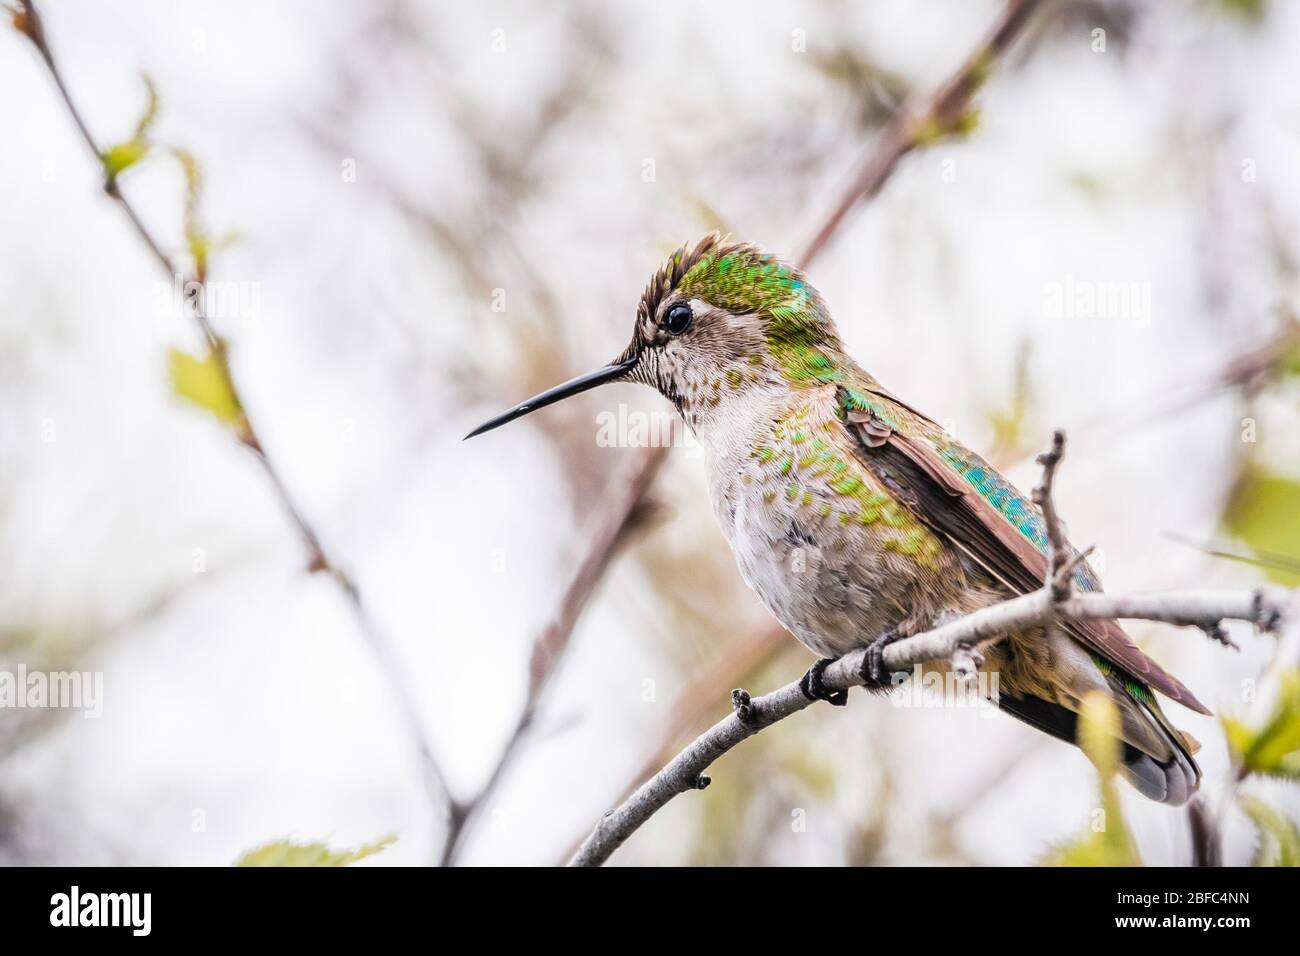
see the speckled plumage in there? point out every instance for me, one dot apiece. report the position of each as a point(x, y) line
point(851, 514)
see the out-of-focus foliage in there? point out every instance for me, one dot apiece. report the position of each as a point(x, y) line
point(1274, 829)
point(288, 853)
point(878, 91)
point(197, 238)
point(206, 383)
point(122, 156)
point(771, 790)
point(1274, 748)
point(1246, 9)
point(1010, 420)
point(1108, 843)
point(1264, 513)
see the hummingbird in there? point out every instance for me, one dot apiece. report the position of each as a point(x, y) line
point(893, 525)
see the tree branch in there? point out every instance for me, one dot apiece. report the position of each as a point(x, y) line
point(946, 112)
point(551, 644)
point(29, 21)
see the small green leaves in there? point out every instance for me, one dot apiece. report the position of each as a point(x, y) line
point(1276, 829)
point(931, 128)
point(1274, 749)
point(288, 853)
point(123, 156)
point(206, 382)
point(119, 158)
point(1264, 513)
point(195, 236)
point(1109, 842)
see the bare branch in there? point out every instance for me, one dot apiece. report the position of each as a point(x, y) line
point(914, 125)
point(1059, 563)
point(1193, 608)
point(1205, 820)
point(551, 644)
point(1207, 848)
point(318, 559)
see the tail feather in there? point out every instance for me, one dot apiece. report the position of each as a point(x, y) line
point(1170, 776)
point(1170, 779)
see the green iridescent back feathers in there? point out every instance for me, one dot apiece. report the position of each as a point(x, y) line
point(803, 343)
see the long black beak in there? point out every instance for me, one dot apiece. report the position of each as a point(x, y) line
point(572, 387)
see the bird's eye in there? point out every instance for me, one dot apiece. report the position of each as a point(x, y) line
point(678, 319)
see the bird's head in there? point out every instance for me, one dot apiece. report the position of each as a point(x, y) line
point(716, 320)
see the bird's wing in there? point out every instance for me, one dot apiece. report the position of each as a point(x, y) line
point(965, 500)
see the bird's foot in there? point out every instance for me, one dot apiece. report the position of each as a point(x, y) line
point(813, 688)
point(872, 670)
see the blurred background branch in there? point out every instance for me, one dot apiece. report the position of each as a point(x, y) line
point(28, 20)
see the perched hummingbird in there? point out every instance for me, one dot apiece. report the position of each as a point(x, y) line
point(898, 526)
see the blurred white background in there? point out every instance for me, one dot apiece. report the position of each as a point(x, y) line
point(556, 153)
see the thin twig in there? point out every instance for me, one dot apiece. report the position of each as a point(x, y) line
point(30, 22)
point(1205, 821)
point(551, 644)
point(701, 698)
point(1207, 848)
point(945, 113)
point(1058, 549)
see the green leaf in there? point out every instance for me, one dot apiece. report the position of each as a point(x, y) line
point(196, 237)
point(206, 383)
point(288, 853)
point(1239, 736)
point(1274, 748)
point(1264, 513)
point(1107, 842)
point(123, 156)
point(1273, 826)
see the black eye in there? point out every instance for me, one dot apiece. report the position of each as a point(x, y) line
point(678, 319)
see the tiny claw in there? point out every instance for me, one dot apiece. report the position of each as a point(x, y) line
point(813, 688)
point(701, 782)
point(1217, 632)
point(872, 670)
point(1267, 616)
